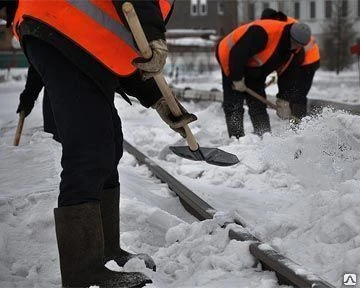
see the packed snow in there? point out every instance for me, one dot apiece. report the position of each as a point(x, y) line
point(296, 189)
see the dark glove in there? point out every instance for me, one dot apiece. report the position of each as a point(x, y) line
point(11, 6)
point(175, 123)
point(154, 65)
point(26, 104)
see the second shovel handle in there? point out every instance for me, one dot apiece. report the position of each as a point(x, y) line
point(19, 128)
point(260, 98)
point(269, 103)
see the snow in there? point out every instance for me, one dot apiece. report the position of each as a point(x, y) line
point(190, 31)
point(191, 41)
point(297, 190)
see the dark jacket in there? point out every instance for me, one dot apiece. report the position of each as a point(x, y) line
point(154, 27)
point(131, 85)
point(33, 86)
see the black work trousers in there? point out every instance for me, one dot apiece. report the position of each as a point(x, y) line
point(294, 86)
point(87, 123)
point(234, 100)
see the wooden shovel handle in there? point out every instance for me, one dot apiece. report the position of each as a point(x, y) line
point(19, 128)
point(269, 103)
point(146, 52)
point(260, 98)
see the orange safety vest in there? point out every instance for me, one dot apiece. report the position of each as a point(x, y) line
point(94, 25)
point(274, 31)
point(312, 52)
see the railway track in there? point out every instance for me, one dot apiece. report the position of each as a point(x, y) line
point(288, 272)
point(313, 104)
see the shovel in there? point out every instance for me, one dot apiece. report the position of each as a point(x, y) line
point(267, 102)
point(260, 98)
point(19, 128)
point(193, 151)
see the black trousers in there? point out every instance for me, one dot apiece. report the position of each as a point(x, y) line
point(87, 124)
point(294, 86)
point(234, 100)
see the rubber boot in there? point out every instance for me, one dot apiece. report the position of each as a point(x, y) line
point(261, 124)
point(235, 123)
point(299, 110)
point(81, 245)
point(110, 215)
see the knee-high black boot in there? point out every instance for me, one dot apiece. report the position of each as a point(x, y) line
point(234, 116)
point(299, 110)
point(261, 124)
point(110, 215)
point(81, 245)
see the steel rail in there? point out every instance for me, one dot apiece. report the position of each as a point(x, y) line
point(313, 105)
point(288, 272)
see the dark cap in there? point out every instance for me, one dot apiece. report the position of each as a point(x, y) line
point(269, 13)
point(300, 33)
point(272, 14)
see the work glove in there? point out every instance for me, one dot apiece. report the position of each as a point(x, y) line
point(26, 104)
point(175, 123)
point(283, 109)
point(154, 65)
point(239, 85)
point(11, 6)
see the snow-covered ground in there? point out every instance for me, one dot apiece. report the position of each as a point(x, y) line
point(297, 190)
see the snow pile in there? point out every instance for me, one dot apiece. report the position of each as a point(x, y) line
point(297, 189)
point(201, 255)
point(322, 158)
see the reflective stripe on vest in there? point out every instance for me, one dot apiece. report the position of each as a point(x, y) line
point(274, 31)
point(311, 44)
point(231, 43)
point(283, 67)
point(257, 60)
point(312, 53)
point(93, 25)
point(102, 18)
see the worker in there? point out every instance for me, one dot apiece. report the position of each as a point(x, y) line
point(247, 56)
point(295, 77)
point(80, 50)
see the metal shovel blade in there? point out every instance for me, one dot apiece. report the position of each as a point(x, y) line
point(212, 156)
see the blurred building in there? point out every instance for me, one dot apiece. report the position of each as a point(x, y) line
point(11, 54)
point(224, 15)
point(218, 15)
point(192, 33)
point(315, 13)
point(5, 35)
